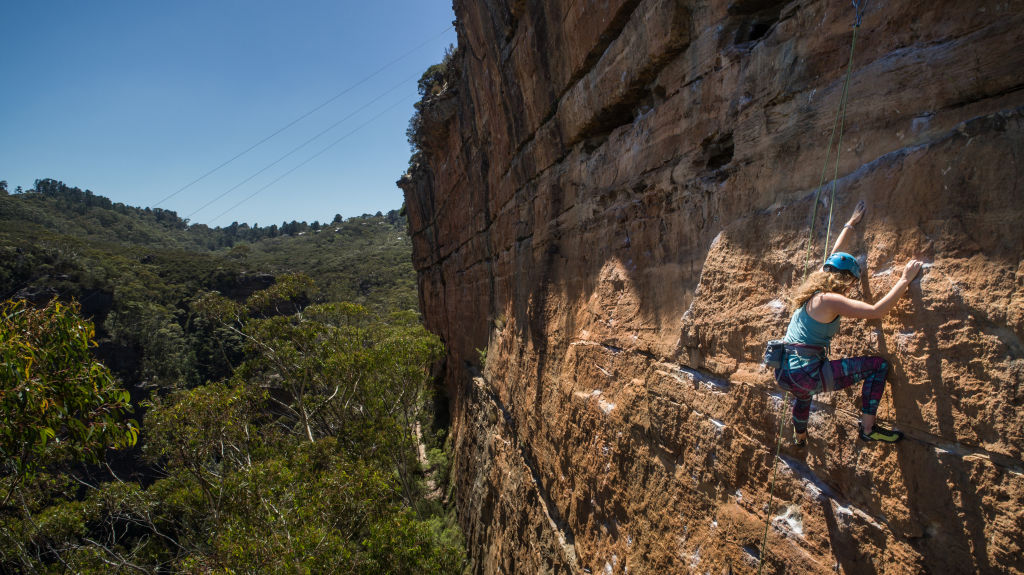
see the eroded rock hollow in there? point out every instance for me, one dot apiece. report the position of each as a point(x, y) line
point(614, 199)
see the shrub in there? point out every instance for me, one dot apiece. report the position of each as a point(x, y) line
point(56, 401)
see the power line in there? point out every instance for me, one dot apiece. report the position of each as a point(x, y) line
point(310, 159)
point(404, 82)
point(306, 115)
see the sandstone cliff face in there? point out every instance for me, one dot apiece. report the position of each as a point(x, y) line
point(615, 200)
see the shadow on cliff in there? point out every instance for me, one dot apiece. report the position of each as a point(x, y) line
point(536, 311)
point(955, 541)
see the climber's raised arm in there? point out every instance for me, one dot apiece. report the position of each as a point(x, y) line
point(818, 305)
point(846, 235)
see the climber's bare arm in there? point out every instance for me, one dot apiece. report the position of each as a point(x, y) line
point(830, 305)
point(846, 235)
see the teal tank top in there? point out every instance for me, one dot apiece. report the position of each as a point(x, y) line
point(806, 330)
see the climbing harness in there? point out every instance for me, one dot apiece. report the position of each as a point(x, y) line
point(859, 7)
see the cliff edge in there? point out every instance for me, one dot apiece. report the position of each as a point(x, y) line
point(614, 198)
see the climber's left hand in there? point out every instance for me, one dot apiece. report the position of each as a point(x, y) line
point(858, 213)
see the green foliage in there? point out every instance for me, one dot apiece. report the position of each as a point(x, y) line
point(310, 510)
point(434, 82)
point(404, 544)
point(436, 78)
point(156, 330)
point(441, 464)
point(138, 293)
point(326, 514)
point(338, 370)
point(280, 433)
point(365, 260)
point(203, 431)
point(213, 307)
point(290, 293)
point(55, 400)
point(307, 461)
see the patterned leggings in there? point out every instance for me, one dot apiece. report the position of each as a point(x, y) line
point(805, 383)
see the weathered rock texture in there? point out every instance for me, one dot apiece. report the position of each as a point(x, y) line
point(614, 201)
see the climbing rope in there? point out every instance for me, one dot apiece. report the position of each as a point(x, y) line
point(771, 490)
point(837, 124)
point(839, 143)
point(859, 7)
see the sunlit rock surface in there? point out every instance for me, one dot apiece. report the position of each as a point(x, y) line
point(614, 200)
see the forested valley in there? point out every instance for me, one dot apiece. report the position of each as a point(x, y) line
point(185, 399)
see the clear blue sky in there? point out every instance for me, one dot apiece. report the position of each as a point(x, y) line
point(135, 99)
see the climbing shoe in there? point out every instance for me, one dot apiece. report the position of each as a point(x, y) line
point(879, 433)
point(800, 439)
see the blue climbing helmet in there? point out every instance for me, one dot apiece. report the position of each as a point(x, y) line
point(842, 262)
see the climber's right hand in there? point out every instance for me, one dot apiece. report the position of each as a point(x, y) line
point(911, 270)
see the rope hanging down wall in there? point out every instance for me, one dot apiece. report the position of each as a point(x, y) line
point(859, 7)
point(837, 124)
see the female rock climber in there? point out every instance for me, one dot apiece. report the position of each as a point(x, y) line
point(818, 304)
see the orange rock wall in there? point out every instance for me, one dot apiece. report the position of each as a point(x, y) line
point(615, 199)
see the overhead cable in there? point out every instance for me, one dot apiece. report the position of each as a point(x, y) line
point(306, 115)
point(404, 82)
point(310, 159)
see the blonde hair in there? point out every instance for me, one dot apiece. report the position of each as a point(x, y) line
point(820, 281)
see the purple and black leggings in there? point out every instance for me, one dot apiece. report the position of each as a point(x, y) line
point(806, 382)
